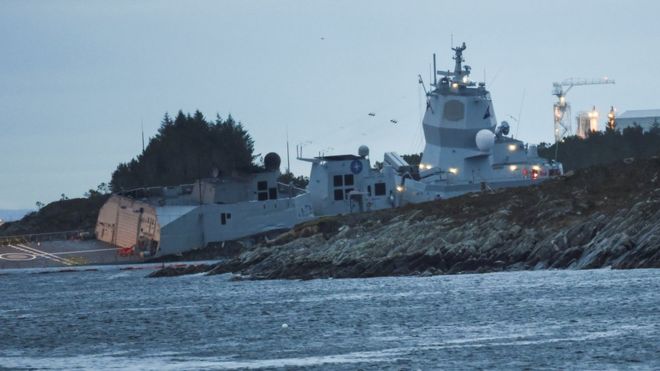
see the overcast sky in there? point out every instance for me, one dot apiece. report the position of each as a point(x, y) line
point(77, 78)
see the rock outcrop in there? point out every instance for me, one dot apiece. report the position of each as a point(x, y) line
point(597, 217)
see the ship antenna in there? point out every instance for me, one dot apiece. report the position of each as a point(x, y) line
point(435, 74)
point(288, 162)
point(522, 101)
point(428, 102)
point(142, 128)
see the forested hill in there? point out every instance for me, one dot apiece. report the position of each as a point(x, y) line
point(185, 149)
point(604, 147)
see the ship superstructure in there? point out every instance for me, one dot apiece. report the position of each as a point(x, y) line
point(466, 150)
point(343, 184)
point(151, 222)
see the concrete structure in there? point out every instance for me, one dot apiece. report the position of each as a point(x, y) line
point(587, 123)
point(646, 119)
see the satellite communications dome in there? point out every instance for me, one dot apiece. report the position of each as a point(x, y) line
point(272, 161)
point(485, 140)
point(363, 151)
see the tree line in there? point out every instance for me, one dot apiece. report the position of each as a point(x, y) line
point(603, 147)
point(187, 148)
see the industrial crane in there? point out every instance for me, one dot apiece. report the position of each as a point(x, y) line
point(562, 109)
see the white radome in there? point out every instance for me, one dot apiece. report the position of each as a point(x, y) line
point(485, 140)
point(363, 151)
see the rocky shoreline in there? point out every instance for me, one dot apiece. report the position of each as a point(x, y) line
point(606, 216)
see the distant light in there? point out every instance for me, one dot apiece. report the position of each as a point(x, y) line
point(465, 79)
point(454, 85)
point(512, 147)
point(425, 166)
point(400, 188)
point(536, 168)
point(453, 170)
point(513, 167)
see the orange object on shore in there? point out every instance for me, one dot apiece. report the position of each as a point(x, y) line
point(125, 251)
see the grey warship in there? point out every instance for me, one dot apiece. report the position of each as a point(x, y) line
point(466, 150)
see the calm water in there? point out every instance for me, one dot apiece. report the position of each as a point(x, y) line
point(540, 320)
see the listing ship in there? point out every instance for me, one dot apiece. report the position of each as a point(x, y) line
point(466, 151)
point(160, 221)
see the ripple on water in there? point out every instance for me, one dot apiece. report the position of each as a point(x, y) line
point(554, 319)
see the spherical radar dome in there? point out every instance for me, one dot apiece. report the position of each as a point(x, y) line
point(363, 151)
point(485, 140)
point(272, 161)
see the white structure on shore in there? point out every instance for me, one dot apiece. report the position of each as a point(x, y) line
point(646, 119)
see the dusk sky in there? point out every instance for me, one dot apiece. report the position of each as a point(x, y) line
point(77, 78)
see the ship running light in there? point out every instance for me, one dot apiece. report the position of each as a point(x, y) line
point(425, 166)
point(400, 188)
point(512, 147)
point(453, 170)
point(454, 85)
point(513, 167)
point(536, 168)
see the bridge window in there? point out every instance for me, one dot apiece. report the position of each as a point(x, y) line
point(339, 194)
point(337, 181)
point(262, 188)
point(272, 193)
point(348, 179)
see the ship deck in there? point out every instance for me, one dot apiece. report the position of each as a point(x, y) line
point(62, 254)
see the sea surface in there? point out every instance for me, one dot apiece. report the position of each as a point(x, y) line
point(113, 319)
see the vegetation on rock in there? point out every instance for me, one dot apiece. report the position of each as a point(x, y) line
point(604, 147)
point(185, 149)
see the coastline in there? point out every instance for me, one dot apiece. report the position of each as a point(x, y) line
point(604, 216)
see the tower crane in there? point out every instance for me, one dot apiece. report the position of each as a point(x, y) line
point(562, 109)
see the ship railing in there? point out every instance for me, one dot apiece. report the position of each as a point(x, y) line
point(78, 234)
point(289, 190)
point(160, 191)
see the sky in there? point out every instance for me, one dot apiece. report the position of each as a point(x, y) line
point(78, 79)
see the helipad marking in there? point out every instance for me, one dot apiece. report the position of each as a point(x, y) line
point(17, 256)
point(43, 254)
point(82, 251)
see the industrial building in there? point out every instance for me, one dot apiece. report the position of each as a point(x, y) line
point(645, 118)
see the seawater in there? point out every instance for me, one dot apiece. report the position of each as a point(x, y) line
point(111, 319)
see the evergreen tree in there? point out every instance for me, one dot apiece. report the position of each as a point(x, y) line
point(603, 147)
point(185, 149)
